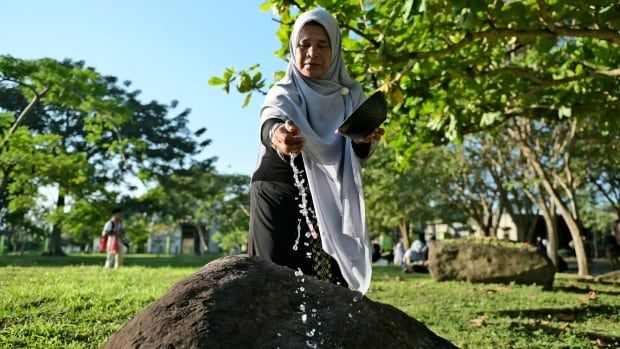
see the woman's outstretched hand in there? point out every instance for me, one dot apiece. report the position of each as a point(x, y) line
point(287, 139)
point(375, 136)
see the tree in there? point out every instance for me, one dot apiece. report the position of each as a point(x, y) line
point(475, 186)
point(455, 67)
point(602, 168)
point(231, 216)
point(202, 197)
point(406, 198)
point(548, 150)
point(102, 133)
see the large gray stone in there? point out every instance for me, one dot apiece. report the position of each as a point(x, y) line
point(611, 277)
point(485, 262)
point(246, 302)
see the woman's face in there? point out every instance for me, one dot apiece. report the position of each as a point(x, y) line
point(313, 54)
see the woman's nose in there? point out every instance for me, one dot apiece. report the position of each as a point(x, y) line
point(312, 51)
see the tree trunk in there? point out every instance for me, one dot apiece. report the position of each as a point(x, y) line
point(575, 232)
point(203, 241)
point(573, 227)
point(23, 243)
point(54, 248)
point(552, 233)
point(403, 227)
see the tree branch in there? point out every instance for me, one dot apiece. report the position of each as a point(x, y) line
point(22, 116)
point(544, 15)
point(539, 79)
point(499, 33)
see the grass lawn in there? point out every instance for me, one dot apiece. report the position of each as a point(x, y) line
point(71, 302)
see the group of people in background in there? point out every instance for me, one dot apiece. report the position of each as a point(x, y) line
point(413, 259)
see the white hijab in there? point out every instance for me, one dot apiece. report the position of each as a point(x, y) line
point(318, 106)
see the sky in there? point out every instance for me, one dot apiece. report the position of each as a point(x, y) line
point(168, 49)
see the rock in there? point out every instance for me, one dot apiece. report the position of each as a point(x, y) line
point(246, 302)
point(475, 261)
point(611, 277)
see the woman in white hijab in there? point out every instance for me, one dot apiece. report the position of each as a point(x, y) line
point(313, 219)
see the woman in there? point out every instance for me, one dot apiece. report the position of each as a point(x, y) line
point(307, 211)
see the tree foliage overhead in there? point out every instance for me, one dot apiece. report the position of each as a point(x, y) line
point(455, 67)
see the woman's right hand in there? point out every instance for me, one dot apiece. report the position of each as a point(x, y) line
point(287, 139)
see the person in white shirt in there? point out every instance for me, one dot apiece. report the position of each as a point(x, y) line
point(399, 252)
point(116, 246)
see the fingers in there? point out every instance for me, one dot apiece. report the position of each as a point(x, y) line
point(375, 136)
point(288, 139)
point(291, 127)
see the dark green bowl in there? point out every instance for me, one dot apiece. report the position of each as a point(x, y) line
point(368, 116)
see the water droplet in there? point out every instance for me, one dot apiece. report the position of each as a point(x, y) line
point(302, 307)
point(313, 310)
point(279, 334)
point(351, 316)
point(304, 318)
point(299, 272)
point(310, 333)
point(355, 299)
point(311, 344)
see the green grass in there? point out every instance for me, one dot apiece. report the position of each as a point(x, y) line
point(71, 302)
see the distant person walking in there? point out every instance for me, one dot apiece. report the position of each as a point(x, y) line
point(114, 233)
point(387, 245)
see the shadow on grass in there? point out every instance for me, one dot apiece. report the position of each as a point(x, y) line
point(394, 273)
point(598, 339)
point(584, 290)
point(564, 314)
point(98, 259)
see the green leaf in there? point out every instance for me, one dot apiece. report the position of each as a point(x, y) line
point(246, 100)
point(279, 75)
point(565, 111)
point(578, 69)
point(489, 118)
point(257, 77)
point(407, 8)
point(216, 81)
point(266, 6)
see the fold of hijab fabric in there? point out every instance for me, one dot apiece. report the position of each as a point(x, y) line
point(318, 107)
